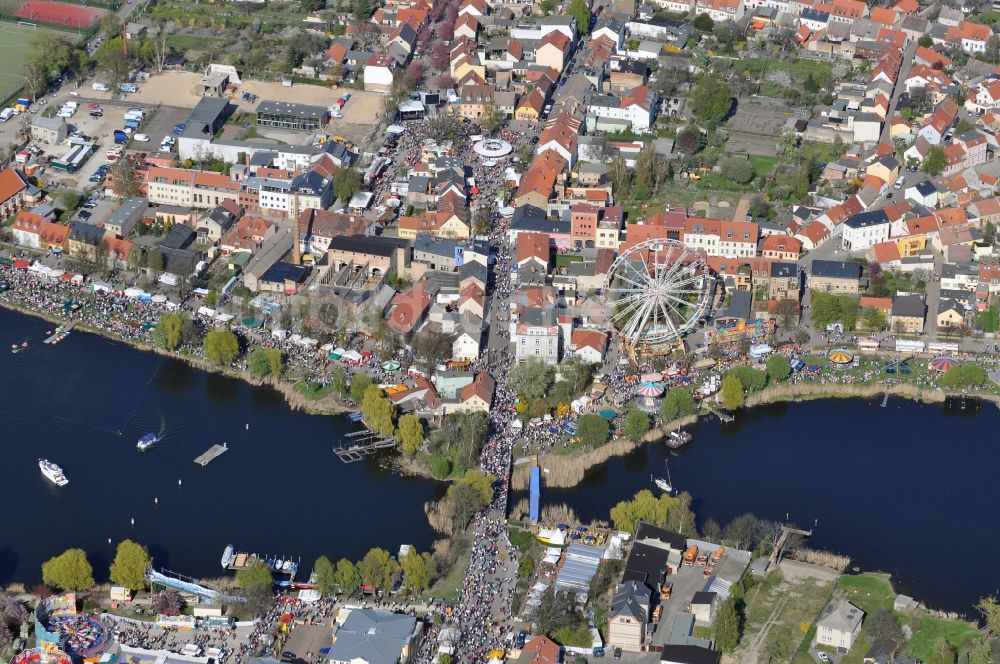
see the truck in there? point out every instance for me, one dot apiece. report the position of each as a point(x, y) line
point(134, 115)
point(121, 136)
point(6, 114)
point(690, 555)
point(132, 124)
point(100, 87)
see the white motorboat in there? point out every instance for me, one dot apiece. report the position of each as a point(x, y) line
point(227, 556)
point(53, 472)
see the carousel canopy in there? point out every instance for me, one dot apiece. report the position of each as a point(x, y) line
point(943, 363)
point(841, 357)
point(649, 389)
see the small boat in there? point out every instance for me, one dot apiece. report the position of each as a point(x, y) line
point(277, 564)
point(227, 556)
point(665, 485)
point(676, 439)
point(147, 441)
point(287, 566)
point(52, 472)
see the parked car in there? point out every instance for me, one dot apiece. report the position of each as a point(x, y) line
point(823, 657)
point(179, 128)
point(141, 138)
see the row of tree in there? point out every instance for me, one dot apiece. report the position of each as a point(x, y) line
point(377, 570)
point(71, 570)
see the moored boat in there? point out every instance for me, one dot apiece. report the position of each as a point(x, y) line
point(227, 556)
point(676, 439)
point(146, 442)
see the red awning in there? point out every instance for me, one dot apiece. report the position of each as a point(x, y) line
point(21, 265)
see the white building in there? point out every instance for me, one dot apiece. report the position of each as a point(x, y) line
point(864, 230)
point(839, 624)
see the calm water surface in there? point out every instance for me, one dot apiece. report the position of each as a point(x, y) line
point(895, 488)
point(279, 489)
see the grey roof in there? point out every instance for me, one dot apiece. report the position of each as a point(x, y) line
point(209, 109)
point(377, 246)
point(865, 219)
point(841, 615)
point(949, 304)
point(288, 108)
point(439, 246)
point(533, 219)
point(909, 306)
point(689, 655)
point(131, 209)
point(178, 237)
point(631, 598)
point(81, 232)
point(702, 597)
point(784, 270)
point(739, 305)
point(925, 188)
point(377, 637)
point(48, 123)
point(836, 269)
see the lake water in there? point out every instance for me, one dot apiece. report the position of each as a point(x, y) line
point(909, 489)
point(279, 489)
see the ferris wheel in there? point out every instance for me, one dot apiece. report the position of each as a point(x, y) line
point(656, 291)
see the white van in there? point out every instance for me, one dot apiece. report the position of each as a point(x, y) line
point(6, 114)
point(100, 87)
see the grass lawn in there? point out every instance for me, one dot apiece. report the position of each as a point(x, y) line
point(763, 165)
point(789, 609)
point(450, 587)
point(872, 591)
point(564, 260)
point(310, 392)
point(14, 41)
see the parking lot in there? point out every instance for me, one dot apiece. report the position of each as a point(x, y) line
point(305, 642)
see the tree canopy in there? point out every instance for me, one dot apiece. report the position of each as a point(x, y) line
point(636, 425)
point(410, 434)
point(677, 402)
point(418, 571)
point(750, 378)
point(378, 569)
point(711, 99)
point(828, 309)
point(580, 11)
point(69, 570)
point(265, 361)
point(172, 329)
point(935, 161)
point(778, 368)
point(221, 346)
point(255, 577)
point(347, 577)
point(326, 576)
point(666, 511)
point(733, 395)
point(532, 378)
point(593, 430)
point(969, 374)
point(130, 565)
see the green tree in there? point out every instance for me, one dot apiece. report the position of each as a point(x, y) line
point(112, 61)
point(935, 161)
point(926, 41)
point(347, 576)
point(711, 99)
point(703, 22)
point(346, 183)
point(666, 511)
point(171, 330)
point(548, 6)
point(593, 430)
point(525, 567)
point(580, 11)
point(777, 368)
point(255, 577)
point(154, 261)
point(212, 299)
point(110, 25)
point(740, 171)
point(636, 425)
point(378, 569)
point(531, 379)
point(70, 570)
point(492, 118)
point(257, 363)
point(943, 653)
point(410, 434)
point(677, 402)
point(275, 361)
point(873, 319)
point(362, 9)
point(359, 385)
point(221, 346)
point(732, 393)
point(326, 576)
point(828, 309)
point(726, 630)
point(751, 379)
point(418, 571)
point(990, 609)
point(969, 374)
point(130, 565)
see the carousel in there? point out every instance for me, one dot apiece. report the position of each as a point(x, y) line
point(840, 358)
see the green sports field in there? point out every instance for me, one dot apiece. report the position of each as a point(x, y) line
point(14, 40)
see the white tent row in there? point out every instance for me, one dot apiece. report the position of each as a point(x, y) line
point(45, 271)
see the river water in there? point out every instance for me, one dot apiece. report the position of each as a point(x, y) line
point(909, 489)
point(279, 489)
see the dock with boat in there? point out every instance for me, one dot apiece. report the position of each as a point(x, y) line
point(677, 439)
point(237, 560)
point(213, 453)
point(60, 333)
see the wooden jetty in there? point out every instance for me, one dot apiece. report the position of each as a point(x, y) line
point(360, 444)
point(724, 417)
point(61, 333)
point(214, 452)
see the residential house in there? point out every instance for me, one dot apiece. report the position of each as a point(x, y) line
point(477, 396)
point(781, 247)
point(950, 315)
point(717, 237)
point(865, 229)
point(720, 10)
point(248, 234)
point(84, 240)
point(635, 109)
point(629, 616)
point(12, 191)
point(839, 624)
point(374, 636)
point(408, 310)
point(907, 314)
point(215, 223)
point(784, 282)
point(540, 650)
point(840, 277)
point(589, 345)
